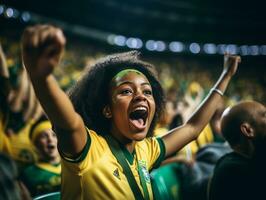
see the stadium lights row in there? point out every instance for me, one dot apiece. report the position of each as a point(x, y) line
point(14, 13)
point(156, 45)
point(180, 47)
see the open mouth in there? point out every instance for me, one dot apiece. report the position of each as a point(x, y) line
point(51, 147)
point(138, 117)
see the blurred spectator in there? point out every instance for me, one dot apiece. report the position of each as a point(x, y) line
point(45, 175)
point(5, 146)
point(240, 174)
point(10, 187)
point(181, 71)
point(185, 107)
point(163, 124)
point(19, 109)
point(194, 178)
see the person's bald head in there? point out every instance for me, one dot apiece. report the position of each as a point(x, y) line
point(244, 121)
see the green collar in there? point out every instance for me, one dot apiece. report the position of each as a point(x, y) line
point(129, 156)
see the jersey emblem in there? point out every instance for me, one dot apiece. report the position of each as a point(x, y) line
point(116, 174)
point(144, 170)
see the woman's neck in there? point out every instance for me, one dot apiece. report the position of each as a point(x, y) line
point(130, 146)
point(127, 143)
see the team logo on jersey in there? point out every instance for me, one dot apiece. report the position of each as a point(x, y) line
point(143, 168)
point(116, 174)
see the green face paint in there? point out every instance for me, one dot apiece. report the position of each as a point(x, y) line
point(126, 71)
point(120, 75)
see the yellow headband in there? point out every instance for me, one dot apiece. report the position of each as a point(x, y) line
point(40, 128)
point(125, 71)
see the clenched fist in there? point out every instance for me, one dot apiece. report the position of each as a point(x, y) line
point(231, 64)
point(42, 48)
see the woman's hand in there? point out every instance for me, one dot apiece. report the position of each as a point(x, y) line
point(230, 64)
point(42, 47)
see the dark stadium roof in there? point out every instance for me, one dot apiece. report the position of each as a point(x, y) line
point(238, 22)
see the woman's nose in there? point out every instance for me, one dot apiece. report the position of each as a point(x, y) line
point(139, 96)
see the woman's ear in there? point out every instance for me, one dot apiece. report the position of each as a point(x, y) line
point(247, 130)
point(107, 112)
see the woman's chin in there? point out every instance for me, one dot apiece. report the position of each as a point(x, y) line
point(139, 136)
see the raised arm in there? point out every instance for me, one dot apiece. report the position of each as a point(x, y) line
point(42, 48)
point(30, 109)
point(3, 65)
point(18, 94)
point(180, 136)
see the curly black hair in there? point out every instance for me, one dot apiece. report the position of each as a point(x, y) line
point(89, 94)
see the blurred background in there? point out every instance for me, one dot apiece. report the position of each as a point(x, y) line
point(184, 39)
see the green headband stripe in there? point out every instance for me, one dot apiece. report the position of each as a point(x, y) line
point(125, 71)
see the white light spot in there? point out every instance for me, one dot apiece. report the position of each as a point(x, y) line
point(254, 50)
point(176, 46)
point(221, 48)
point(160, 46)
point(111, 39)
point(120, 40)
point(194, 48)
point(209, 48)
point(9, 12)
point(134, 43)
point(263, 50)
point(151, 45)
point(244, 50)
point(231, 49)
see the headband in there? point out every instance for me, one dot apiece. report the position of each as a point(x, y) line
point(40, 128)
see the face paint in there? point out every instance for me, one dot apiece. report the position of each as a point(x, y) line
point(122, 73)
point(131, 93)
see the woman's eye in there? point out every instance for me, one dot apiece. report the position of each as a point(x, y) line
point(147, 92)
point(126, 91)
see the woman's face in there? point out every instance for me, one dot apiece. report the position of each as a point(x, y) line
point(132, 106)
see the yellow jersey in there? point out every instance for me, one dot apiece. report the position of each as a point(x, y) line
point(23, 151)
point(96, 174)
point(5, 146)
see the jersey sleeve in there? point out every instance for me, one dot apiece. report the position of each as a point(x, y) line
point(92, 151)
point(155, 151)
